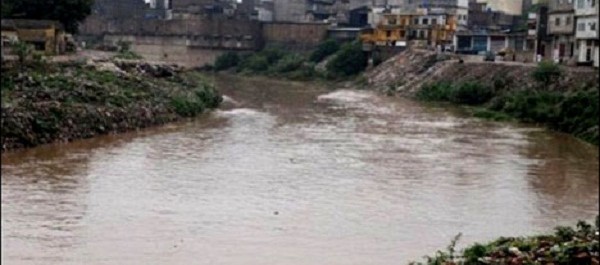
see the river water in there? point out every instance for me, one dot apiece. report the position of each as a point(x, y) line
point(290, 173)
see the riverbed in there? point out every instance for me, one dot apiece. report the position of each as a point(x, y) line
point(293, 173)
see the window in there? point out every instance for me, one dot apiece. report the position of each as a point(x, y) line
point(388, 33)
point(425, 21)
point(580, 4)
point(593, 26)
point(581, 27)
point(434, 21)
point(568, 22)
point(557, 21)
point(416, 21)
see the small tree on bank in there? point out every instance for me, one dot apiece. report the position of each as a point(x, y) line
point(547, 73)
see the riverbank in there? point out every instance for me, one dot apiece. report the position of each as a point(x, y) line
point(567, 245)
point(330, 61)
point(55, 102)
point(564, 99)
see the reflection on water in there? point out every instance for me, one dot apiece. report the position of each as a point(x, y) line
point(289, 173)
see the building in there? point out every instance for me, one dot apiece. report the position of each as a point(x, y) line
point(456, 8)
point(482, 17)
point(586, 32)
point(561, 29)
point(420, 28)
point(509, 7)
point(538, 39)
point(496, 42)
point(120, 9)
point(45, 36)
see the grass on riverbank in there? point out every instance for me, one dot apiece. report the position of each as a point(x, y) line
point(574, 112)
point(566, 245)
point(66, 102)
point(346, 61)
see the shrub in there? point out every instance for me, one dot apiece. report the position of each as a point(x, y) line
point(187, 107)
point(288, 63)
point(306, 71)
point(435, 92)
point(564, 233)
point(23, 50)
point(473, 253)
point(349, 60)
point(226, 61)
point(255, 63)
point(547, 72)
point(324, 49)
point(272, 54)
point(190, 105)
point(377, 59)
point(471, 93)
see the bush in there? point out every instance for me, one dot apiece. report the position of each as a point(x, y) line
point(255, 63)
point(324, 49)
point(435, 92)
point(288, 63)
point(471, 93)
point(349, 60)
point(272, 54)
point(226, 61)
point(190, 105)
point(547, 72)
point(306, 71)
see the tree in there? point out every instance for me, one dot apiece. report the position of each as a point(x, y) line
point(349, 60)
point(69, 12)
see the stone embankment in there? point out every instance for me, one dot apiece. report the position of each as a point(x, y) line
point(405, 73)
point(46, 103)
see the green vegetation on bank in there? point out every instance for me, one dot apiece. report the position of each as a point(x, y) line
point(567, 245)
point(65, 102)
point(575, 112)
point(347, 60)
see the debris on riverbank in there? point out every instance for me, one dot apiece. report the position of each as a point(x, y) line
point(567, 245)
point(61, 102)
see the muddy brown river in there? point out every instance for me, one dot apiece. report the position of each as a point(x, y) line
point(295, 174)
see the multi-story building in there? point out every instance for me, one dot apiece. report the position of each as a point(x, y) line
point(538, 39)
point(510, 7)
point(416, 28)
point(119, 9)
point(290, 10)
point(483, 17)
point(586, 32)
point(457, 8)
point(561, 29)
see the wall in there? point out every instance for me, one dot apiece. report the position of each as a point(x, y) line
point(295, 35)
point(167, 49)
point(205, 33)
point(586, 32)
point(563, 27)
point(290, 10)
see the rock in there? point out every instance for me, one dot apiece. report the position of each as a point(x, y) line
point(515, 251)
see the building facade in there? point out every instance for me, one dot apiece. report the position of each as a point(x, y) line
point(561, 29)
point(510, 7)
point(586, 32)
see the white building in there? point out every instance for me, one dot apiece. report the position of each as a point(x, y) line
point(511, 7)
point(586, 31)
